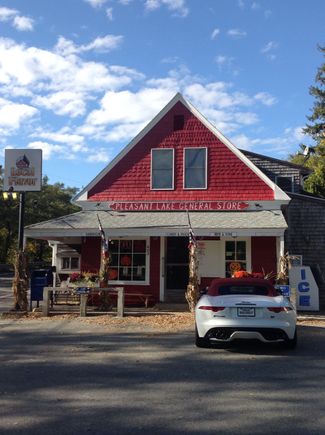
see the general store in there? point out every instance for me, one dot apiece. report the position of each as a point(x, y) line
point(179, 171)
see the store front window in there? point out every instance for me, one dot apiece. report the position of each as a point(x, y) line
point(236, 258)
point(128, 260)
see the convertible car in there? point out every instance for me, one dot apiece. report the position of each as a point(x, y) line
point(244, 309)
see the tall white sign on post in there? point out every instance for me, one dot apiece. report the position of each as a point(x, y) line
point(307, 296)
point(23, 170)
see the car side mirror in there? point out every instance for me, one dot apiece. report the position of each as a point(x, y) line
point(203, 291)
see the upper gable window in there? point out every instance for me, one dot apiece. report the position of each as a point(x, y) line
point(195, 168)
point(162, 168)
point(178, 122)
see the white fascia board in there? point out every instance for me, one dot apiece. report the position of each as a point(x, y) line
point(83, 195)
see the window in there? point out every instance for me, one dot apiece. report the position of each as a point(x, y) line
point(285, 183)
point(128, 260)
point(69, 263)
point(178, 122)
point(162, 168)
point(235, 256)
point(195, 173)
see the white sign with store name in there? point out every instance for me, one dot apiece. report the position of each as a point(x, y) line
point(307, 295)
point(23, 170)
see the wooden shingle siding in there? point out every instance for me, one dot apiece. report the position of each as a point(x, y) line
point(229, 178)
point(274, 168)
point(306, 235)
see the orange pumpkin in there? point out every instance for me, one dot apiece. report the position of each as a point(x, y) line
point(241, 274)
point(126, 260)
point(112, 274)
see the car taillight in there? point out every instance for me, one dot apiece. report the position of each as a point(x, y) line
point(279, 309)
point(210, 308)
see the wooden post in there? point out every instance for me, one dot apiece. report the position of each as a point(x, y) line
point(46, 301)
point(83, 304)
point(120, 301)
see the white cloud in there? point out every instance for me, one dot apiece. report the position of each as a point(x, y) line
point(62, 136)
point(23, 23)
point(215, 33)
point(18, 21)
point(103, 44)
point(280, 145)
point(62, 103)
point(178, 7)
point(224, 61)
point(100, 156)
point(255, 6)
point(6, 13)
point(12, 115)
point(141, 106)
point(96, 3)
point(265, 98)
point(109, 13)
point(48, 149)
point(236, 33)
point(269, 47)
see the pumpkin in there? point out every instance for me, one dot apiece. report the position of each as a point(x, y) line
point(112, 274)
point(241, 274)
point(126, 260)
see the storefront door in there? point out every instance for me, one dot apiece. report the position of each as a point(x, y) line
point(176, 268)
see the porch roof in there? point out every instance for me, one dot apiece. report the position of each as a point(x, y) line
point(126, 224)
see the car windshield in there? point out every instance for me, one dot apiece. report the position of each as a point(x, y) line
point(243, 290)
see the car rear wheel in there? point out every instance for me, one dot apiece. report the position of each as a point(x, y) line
point(199, 341)
point(291, 343)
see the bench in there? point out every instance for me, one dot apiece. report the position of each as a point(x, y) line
point(142, 296)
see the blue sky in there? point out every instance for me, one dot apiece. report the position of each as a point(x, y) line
point(80, 78)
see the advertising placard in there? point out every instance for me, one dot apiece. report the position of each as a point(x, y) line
point(307, 294)
point(23, 170)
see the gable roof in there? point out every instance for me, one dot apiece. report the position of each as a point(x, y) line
point(278, 193)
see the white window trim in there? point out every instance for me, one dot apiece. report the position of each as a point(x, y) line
point(69, 270)
point(173, 169)
point(206, 168)
point(288, 177)
point(146, 281)
point(248, 241)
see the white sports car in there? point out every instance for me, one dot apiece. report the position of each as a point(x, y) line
point(244, 309)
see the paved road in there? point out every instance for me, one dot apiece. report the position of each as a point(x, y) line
point(68, 377)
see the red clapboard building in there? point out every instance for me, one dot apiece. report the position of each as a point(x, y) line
point(180, 171)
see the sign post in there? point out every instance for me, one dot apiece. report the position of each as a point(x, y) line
point(23, 173)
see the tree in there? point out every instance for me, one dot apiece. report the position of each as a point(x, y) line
point(314, 157)
point(51, 202)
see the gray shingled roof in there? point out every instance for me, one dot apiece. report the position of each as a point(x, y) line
point(85, 223)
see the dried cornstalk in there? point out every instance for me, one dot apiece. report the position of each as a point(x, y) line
point(192, 291)
point(20, 282)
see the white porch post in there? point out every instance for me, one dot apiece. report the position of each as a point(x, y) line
point(54, 246)
point(162, 270)
point(280, 249)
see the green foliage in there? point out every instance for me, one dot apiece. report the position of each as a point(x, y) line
point(51, 202)
point(315, 157)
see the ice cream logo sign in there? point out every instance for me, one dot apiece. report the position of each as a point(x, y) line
point(23, 170)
